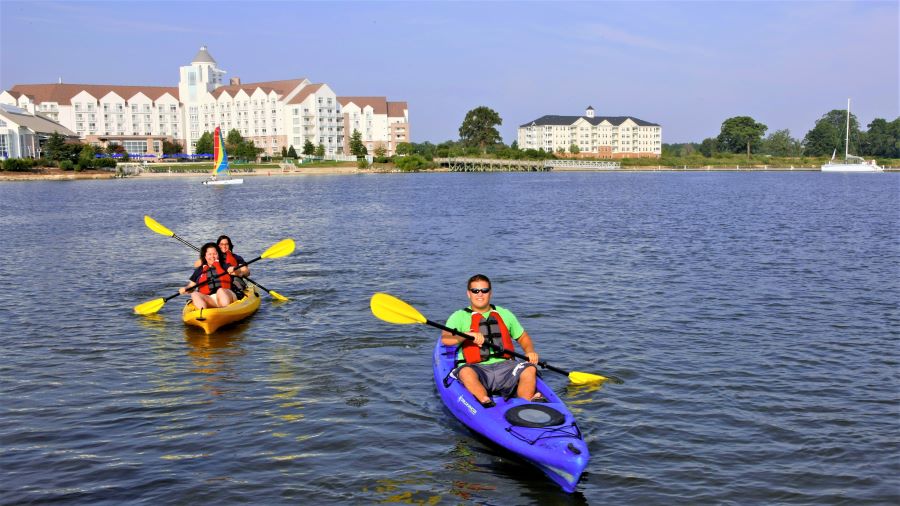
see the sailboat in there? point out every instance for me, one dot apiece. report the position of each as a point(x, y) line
point(220, 173)
point(851, 163)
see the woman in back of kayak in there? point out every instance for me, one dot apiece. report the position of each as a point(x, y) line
point(485, 371)
point(214, 280)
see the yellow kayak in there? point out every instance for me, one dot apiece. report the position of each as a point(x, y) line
point(211, 319)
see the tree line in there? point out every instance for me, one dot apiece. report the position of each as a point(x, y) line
point(478, 135)
point(743, 134)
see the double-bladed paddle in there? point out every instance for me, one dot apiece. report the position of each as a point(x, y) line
point(277, 250)
point(162, 230)
point(393, 310)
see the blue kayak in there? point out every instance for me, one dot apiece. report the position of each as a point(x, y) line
point(543, 433)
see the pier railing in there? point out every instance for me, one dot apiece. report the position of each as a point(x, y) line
point(466, 164)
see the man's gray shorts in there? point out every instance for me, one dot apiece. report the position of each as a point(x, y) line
point(498, 378)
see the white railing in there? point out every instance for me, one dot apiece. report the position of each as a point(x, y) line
point(584, 164)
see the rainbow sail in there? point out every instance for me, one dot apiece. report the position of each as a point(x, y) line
point(219, 156)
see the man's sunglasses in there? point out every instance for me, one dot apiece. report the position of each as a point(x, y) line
point(480, 290)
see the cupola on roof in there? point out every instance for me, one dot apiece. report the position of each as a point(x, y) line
point(203, 56)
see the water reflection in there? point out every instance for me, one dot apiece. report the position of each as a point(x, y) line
point(214, 355)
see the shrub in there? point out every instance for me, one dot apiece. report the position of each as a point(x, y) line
point(361, 163)
point(411, 163)
point(16, 165)
point(66, 165)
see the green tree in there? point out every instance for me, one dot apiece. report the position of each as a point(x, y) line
point(479, 128)
point(204, 144)
point(54, 147)
point(514, 146)
point(380, 151)
point(246, 150)
point(739, 133)
point(233, 140)
point(284, 152)
point(780, 143)
point(171, 148)
point(709, 147)
point(574, 149)
point(320, 150)
point(308, 148)
point(404, 148)
point(827, 137)
point(882, 139)
point(86, 157)
point(357, 148)
point(291, 152)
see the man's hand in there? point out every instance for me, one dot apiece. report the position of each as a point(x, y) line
point(477, 337)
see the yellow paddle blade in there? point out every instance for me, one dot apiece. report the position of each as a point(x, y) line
point(279, 249)
point(277, 296)
point(393, 310)
point(583, 378)
point(157, 227)
point(149, 307)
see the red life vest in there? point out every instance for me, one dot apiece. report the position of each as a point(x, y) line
point(238, 284)
point(494, 330)
point(230, 260)
point(219, 279)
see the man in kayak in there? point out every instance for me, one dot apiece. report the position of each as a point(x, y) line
point(485, 371)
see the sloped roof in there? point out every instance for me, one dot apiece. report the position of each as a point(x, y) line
point(305, 92)
point(63, 93)
point(379, 105)
point(35, 122)
point(395, 109)
point(203, 56)
point(553, 120)
point(282, 88)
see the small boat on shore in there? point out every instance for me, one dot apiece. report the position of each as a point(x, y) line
point(851, 163)
point(543, 433)
point(210, 319)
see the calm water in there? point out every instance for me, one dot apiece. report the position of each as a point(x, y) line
point(754, 317)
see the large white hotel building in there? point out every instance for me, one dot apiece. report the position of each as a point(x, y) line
point(273, 114)
point(595, 136)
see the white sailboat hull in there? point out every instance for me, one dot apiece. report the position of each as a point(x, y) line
point(846, 165)
point(851, 167)
point(224, 181)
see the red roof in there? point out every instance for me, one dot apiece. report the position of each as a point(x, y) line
point(63, 93)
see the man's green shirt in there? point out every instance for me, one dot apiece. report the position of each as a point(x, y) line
point(462, 321)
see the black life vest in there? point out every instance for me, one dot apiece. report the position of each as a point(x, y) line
point(219, 278)
point(494, 331)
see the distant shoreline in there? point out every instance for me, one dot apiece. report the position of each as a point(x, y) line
point(61, 175)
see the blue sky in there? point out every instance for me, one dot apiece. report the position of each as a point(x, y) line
point(686, 65)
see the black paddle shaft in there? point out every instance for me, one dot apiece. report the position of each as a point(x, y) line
point(455, 332)
point(198, 249)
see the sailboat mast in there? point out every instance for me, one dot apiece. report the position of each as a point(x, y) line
point(847, 139)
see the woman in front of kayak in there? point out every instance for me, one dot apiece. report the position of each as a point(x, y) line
point(214, 280)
